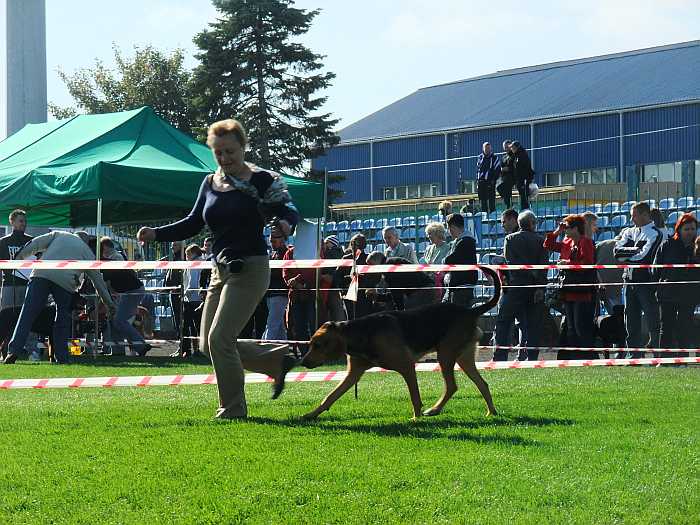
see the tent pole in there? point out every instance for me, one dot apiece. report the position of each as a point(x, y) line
point(98, 225)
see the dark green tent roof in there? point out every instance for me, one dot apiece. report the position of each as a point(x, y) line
point(141, 167)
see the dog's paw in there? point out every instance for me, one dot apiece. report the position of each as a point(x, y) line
point(309, 417)
point(432, 411)
point(491, 413)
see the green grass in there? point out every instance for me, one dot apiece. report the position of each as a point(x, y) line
point(571, 446)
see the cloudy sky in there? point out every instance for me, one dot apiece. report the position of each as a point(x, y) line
point(383, 50)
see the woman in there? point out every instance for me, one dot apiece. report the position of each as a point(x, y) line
point(678, 301)
point(591, 224)
point(130, 290)
point(579, 302)
point(435, 253)
point(235, 202)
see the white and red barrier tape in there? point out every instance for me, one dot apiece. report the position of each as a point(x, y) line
point(314, 263)
point(296, 377)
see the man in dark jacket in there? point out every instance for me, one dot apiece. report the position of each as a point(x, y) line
point(14, 284)
point(334, 301)
point(505, 188)
point(356, 250)
point(526, 304)
point(173, 278)
point(488, 169)
point(522, 173)
point(460, 285)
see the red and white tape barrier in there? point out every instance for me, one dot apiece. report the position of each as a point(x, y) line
point(312, 376)
point(314, 263)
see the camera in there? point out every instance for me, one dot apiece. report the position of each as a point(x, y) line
point(229, 260)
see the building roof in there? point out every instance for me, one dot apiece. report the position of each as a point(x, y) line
point(645, 77)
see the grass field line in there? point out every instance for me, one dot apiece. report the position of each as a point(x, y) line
point(312, 376)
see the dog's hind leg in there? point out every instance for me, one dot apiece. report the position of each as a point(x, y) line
point(447, 368)
point(355, 371)
point(466, 363)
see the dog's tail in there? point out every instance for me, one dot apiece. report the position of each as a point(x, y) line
point(493, 275)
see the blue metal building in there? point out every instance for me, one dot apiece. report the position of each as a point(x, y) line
point(587, 121)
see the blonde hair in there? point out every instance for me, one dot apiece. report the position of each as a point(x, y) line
point(193, 248)
point(228, 126)
point(435, 228)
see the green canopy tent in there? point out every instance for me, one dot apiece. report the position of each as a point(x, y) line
point(113, 168)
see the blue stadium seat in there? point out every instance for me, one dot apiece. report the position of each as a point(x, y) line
point(595, 208)
point(408, 221)
point(422, 247)
point(368, 224)
point(547, 213)
point(381, 223)
point(497, 229)
point(667, 204)
point(493, 216)
point(329, 227)
point(436, 218)
point(625, 208)
point(407, 233)
point(378, 236)
point(552, 274)
point(605, 236)
point(554, 256)
point(380, 247)
point(485, 243)
point(356, 225)
point(686, 202)
point(673, 218)
point(422, 220)
point(485, 228)
point(619, 221)
point(611, 207)
point(343, 226)
point(603, 222)
point(498, 243)
point(266, 231)
point(395, 222)
point(651, 203)
point(547, 226)
point(561, 211)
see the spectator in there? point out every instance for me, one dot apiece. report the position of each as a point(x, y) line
point(61, 284)
point(173, 279)
point(394, 246)
point(579, 304)
point(130, 292)
point(678, 301)
point(526, 303)
point(505, 187)
point(277, 293)
point(591, 224)
point(205, 274)
point(406, 289)
point(192, 305)
point(302, 299)
point(509, 221)
point(14, 284)
point(522, 173)
point(438, 249)
point(460, 285)
point(334, 301)
point(356, 250)
point(657, 217)
point(488, 169)
point(638, 245)
point(444, 209)
point(470, 208)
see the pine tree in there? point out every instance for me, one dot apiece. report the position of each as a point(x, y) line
point(252, 68)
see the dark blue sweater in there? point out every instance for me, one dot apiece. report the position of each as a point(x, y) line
point(235, 219)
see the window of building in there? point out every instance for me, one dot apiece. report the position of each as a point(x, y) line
point(590, 176)
point(467, 186)
point(664, 172)
point(413, 191)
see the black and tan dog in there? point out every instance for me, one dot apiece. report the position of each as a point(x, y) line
point(396, 340)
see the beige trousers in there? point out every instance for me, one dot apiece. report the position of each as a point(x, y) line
point(231, 300)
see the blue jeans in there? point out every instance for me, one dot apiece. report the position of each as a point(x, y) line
point(126, 309)
point(35, 301)
point(276, 307)
point(518, 303)
point(640, 299)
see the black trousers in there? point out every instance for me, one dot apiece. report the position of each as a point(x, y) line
point(505, 190)
point(487, 195)
point(192, 319)
point(579, 330)
point(676, 328)
point(524, 191)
